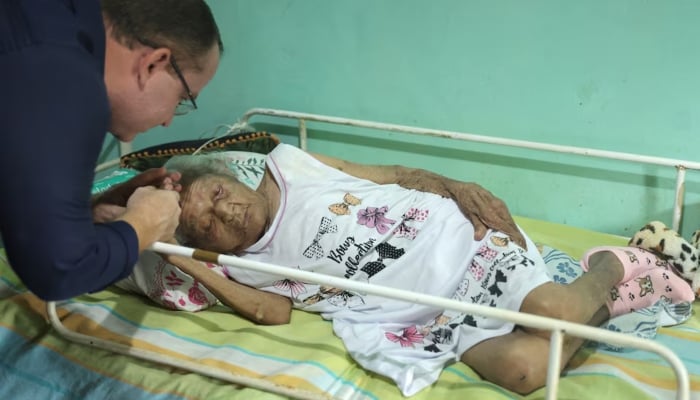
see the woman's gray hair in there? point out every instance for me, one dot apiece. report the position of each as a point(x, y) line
point(193, 167)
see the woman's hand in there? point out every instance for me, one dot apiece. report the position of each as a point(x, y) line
point(485, 211)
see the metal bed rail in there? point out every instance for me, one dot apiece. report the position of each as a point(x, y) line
point(680, 165)
point(559, 328)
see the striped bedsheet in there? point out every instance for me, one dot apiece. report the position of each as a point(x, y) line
point(301, 359)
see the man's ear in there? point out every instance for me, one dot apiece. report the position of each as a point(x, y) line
point(152, 62)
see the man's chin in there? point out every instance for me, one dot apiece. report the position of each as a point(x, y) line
point(126, 137)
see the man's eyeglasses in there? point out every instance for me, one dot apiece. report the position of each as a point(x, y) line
point(183, 107)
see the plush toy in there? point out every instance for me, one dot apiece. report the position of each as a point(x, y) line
point(668, 244)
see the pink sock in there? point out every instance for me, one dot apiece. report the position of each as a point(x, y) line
point(634, 260)
point(646, 289)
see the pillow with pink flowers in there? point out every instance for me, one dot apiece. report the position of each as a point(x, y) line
point(167, 285)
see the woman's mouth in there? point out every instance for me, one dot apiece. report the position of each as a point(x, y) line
point(242, 217)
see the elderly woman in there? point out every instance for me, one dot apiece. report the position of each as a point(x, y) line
point(384, 226)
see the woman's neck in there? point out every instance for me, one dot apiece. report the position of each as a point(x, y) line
point(270, 191)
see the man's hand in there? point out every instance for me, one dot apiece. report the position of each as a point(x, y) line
point(153, 213)
point(111, 204)
point(103, 213)
point(158, 177)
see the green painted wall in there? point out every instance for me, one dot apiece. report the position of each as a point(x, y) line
point(620, 75)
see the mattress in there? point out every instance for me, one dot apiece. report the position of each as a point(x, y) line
point(302, 359)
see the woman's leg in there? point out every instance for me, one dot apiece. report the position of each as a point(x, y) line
point(582, 301)
point(646, 281)
point(517, 361)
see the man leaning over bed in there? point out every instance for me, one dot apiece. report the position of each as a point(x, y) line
point(72, 70)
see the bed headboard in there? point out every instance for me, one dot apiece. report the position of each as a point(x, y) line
point(681, 166)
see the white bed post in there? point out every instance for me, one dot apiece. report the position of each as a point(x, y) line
point(124, 148)
point(680, 194)
point(303, 137)
point(556, 343)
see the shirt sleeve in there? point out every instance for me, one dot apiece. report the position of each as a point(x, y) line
point(53, 117)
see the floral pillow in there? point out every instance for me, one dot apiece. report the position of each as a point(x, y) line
point(167, 285)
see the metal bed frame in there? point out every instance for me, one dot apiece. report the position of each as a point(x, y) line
point(558, 328)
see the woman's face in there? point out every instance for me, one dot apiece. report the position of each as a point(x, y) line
point(223, 215)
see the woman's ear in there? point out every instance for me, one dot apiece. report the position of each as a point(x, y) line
point(152, 62)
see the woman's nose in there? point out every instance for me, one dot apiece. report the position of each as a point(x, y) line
point(224, 210)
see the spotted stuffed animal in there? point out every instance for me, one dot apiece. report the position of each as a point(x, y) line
point(672, 247)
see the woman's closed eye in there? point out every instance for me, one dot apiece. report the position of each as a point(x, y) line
point(209, 231)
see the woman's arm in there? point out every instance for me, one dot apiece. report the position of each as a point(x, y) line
point(255, 305)
point(480, 206)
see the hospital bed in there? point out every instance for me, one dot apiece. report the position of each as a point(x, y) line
point(117, 344)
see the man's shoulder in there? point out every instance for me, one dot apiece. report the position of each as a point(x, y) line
point(76, 24)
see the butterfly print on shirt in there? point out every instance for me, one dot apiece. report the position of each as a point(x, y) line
point(373, 217)
point(486, 252)
point(500, 277)
point(346, 299)
point(294, 288)
point(315, 250)
point(409, 231)
point(344, 207)
point(335, 296)
point(384, 250)
point(408, 337)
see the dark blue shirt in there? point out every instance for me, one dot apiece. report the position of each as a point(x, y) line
point(54, 114)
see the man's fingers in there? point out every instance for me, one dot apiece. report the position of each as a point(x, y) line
point(151, 176)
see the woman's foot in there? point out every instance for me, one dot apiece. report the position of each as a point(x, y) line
point(646, 289)
point(633, 260)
